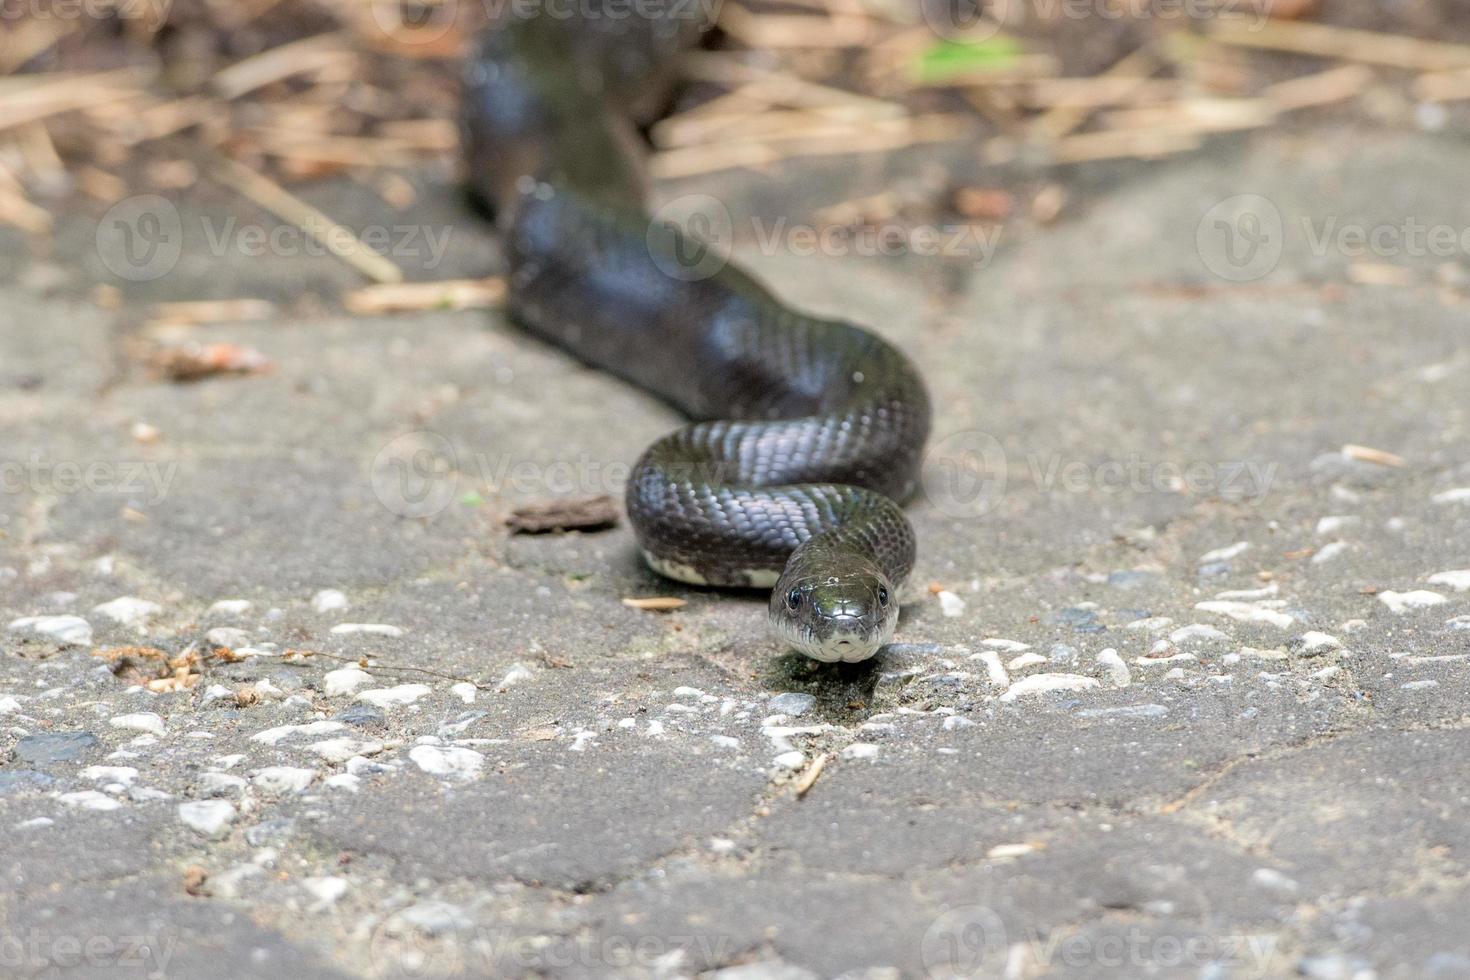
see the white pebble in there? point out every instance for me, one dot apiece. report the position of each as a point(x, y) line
point(1118, 673)
point(388, 697)
point(89, 799)
point(228, 636)
point(345, 681)
point(1458, 580)
point(1247, 612)
point(281, 780)
point(794, 759)
point(1005, 646)
point(328, 600)
point(376, 629)
point(1224, 554)
point(343, 780)
point(860, 750)
point(1197, 631)
point(1026, 660)
point(688, 692)
point(71, 630)
point(950, 604)
point(452, 761)
point(1402, 602)
point(1274, 880)
point(725, 741)
point(110, 774)
point(144, 721)
point(1328, 552)
point(994, 669)
point(1418, 685)
point(128, 610)
point(1460, 495)
point(1331, 525)
point(465, 691)
point(230, 607)
point(339, 750)
point(1151, 624)
point(954, 722)
point(212, 818)
point(518, 672)
point(273, 735)
point(1314, 642)
point(1043, 683)
point(327, 891)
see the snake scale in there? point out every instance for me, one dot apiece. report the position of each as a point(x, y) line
point(806, 433)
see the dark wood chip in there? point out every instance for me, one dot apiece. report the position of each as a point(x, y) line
point(564, 514)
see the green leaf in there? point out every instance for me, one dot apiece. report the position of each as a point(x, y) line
point(950, 59)
point(471, 499)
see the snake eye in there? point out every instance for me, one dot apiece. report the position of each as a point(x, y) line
point(882, 595)
point(793, 598)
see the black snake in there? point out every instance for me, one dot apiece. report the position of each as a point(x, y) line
point(808, 432)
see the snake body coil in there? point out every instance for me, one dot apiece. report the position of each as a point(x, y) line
point(808, 431)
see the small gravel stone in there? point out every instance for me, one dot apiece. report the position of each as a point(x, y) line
point(950, 604)
point(228, 636)
point(375, 629)
point(48, 748)
point(66, 630)
point(326, 891)
point(794, 759)
point(328, 600)
point(210, 818)
point(1224, 554)
point(1458, 580)
point(230, 607)
point(89, 799)
point(860, 750)
point(791, 703)
point(447, 761)
point(281, 780)
point(1112, 662)
point(388, 697)
point(339, 750)
point(1402, 602)
point(1247, 612)
point(1045, 683)
point(143, 721)
point(1196, 632)
point(1025, 661)
point(23, 780)
point(465, 691)
point(221, 783)
point(1328, 552)
point(1062, 654)
point(344, 681)
point(128, 610)
point(362, 716)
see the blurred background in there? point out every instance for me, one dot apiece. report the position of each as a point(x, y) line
point(934, 112)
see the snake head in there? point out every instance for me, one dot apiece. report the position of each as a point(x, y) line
point(834, 618)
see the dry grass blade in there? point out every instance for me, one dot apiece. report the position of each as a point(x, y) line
point(782, 88)
point(1443, 86)
point(656, 603)
point(813, 772)
point(32, 98)
point(211, 311)
point(278, 201)
point(1126, 76)
point(1341, 43)
point(1379, 457)
point(1196, 116)
point(457, 294)
point(1120, 144)
point(1323, 88)
point(795, 30)
point(296, 58)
